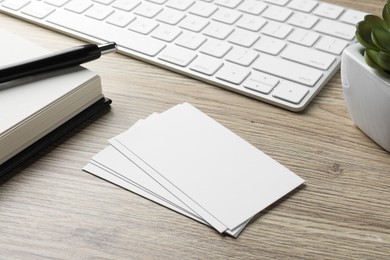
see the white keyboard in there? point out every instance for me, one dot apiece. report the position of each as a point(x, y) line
point(278, 51)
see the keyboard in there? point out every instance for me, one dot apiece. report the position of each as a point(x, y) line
point(282, 52)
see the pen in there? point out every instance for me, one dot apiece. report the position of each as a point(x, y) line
point(54, 61)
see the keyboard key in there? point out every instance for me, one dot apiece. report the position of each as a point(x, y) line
point(126, 5)
point(15, 4)
point(158, 1)
point(227, 16)
point(120, 19)
point(252, 7)
point(232, 73)
point(331, 45)
point(277, 13)
point(202, 9)
point(303, 37)
point(194, 23)
point(303, 5)
point(190, 40)
point(270, 45)
point(258, 87)
point(143, 26)
point(275, 29)
point(218, 30)
point(147, 10)
point(228, 3)
point(170, 16)
point(352, 17)
point(98, 12)
point(215, 48)
point(307, 56)
point(78, 6)
point(328, 10)
point(105, 2)
point(243, 38)
point(177, 55)
point(166, 33)
point(250, 22)
point(290, 92)
point(261, 82)
point(303, 20)
point(278, 2)
point(57, 3)
point(38, 10)
point(242, 56)
point(288, 70)
point(206, 65)
point(336, 29)
point(180, 4)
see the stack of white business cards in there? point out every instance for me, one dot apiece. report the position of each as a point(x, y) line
point(188, 162)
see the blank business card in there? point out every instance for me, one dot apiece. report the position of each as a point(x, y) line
point(214, 172)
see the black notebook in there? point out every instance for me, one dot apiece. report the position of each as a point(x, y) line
point(34, 111)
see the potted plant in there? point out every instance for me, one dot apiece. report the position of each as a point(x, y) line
point(365, 75)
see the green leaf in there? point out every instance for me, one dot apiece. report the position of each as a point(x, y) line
point(375, 21)
point(381, 38)
point(386, 13)
point(383, 60)
point(363, 34)
point(377, 60)
point(370, 62)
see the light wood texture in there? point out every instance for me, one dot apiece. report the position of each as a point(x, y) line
point(51, 209)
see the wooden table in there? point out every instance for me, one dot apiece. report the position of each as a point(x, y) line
point(51, 209)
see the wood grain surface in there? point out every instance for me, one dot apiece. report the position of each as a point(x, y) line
point(51, 209)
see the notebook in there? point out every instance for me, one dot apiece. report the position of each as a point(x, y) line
point(32, 108)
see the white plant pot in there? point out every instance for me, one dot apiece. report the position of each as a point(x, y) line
point(367, 94)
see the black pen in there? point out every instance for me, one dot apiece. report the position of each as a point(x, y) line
point(55, 61)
